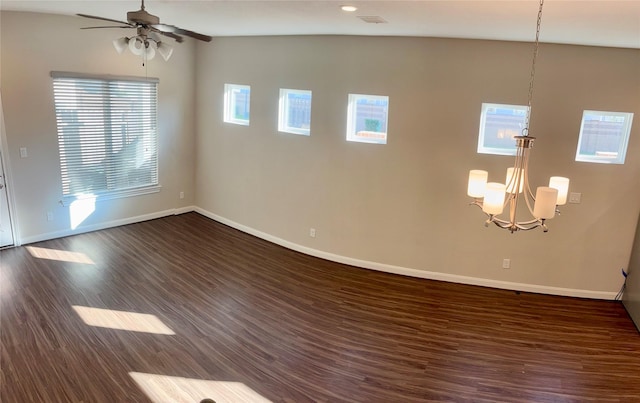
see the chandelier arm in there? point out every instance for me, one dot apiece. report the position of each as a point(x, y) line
point(507, 200)
point(538, 224)
point(519, 164)
point(528, 183)
point(509, 183)
point(522, 179)
point(498, 224)
point(525, 223)
point(498, 221)
point(528, 196)
point(494, 218)
point(518, 226)
point(529, 204)
point(476, 202)
point(513, 206)
point(504, 224)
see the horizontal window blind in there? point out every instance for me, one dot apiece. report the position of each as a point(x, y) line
point(107, 134)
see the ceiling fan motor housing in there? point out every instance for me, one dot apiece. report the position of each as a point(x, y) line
point(142, 17)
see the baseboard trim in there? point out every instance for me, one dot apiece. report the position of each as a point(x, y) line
point(406, 271)
point(184, 210)
point(104, 225)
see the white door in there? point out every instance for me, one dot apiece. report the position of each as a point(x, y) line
point(6, 233)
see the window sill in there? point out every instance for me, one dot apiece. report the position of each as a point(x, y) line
point(301, 132)
point(118, 194)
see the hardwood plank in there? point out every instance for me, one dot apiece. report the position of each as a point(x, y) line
point(253, 320)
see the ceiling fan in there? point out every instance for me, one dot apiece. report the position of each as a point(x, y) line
point(146, 41)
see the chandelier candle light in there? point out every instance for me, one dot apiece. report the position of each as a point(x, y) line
point(493, 197)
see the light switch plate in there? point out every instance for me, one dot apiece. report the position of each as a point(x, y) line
point(575, 197)
point(23, 152)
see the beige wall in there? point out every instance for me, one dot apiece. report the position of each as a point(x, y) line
point(404, 204)
point(32, 45)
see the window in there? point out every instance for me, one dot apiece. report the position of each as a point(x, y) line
point(107, 135)
point(237, 99)
point(499, 124)
point(295, 112)
point(604, 137)
point(367, 118)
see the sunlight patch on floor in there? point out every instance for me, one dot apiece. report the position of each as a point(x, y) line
point(61, 255)
point(121, 320)
point(163, 389)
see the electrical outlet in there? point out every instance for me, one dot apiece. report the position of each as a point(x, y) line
point(182, 195)
point(312, 232)
point(23, 152)
point(506, 263)
point(49, 216)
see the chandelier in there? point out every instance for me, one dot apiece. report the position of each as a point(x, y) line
point(493, 197)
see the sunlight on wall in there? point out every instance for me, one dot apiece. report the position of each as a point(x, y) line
point(121, 320)
point(61, 255)
point(80, 209)
point(162, 388)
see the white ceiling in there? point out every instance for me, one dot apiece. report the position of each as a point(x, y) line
point(583, 22)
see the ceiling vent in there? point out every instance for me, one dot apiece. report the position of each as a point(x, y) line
point(372, 19)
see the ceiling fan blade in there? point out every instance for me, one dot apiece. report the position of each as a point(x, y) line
point(178, 38)
point(166, 28)
point(108, 26)
point(103, 19)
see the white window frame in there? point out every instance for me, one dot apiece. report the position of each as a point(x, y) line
point(482, 149)
point(352, 135)
point(92, 145)
point(230, 91)
point(285, 110)
point(604, 158)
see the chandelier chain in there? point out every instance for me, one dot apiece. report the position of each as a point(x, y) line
point(525, 131)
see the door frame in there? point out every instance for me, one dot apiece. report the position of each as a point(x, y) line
point(8, 178)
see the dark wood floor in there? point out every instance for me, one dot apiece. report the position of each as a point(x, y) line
point(254, 321)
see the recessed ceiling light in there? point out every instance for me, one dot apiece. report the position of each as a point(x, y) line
point(349, 8)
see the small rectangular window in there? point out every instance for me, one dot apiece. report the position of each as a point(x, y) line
point(499, 124)
point(604, 137)
point(367, 118)
point(237, 100)
point(295, 112)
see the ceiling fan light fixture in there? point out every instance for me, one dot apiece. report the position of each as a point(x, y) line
point(146, 42)
point(165, 50)
point(136, 46)
point(121, 44)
